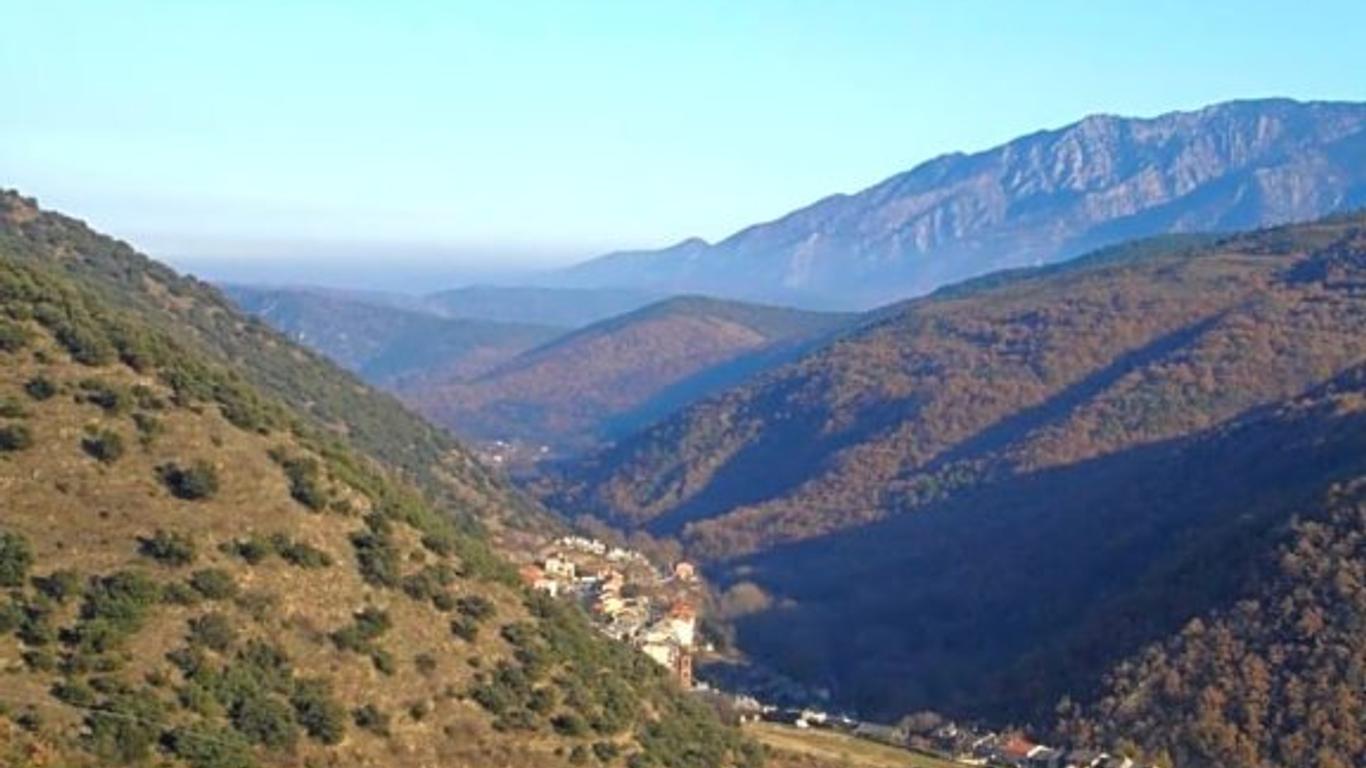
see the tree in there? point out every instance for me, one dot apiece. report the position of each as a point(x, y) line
point(15, 559)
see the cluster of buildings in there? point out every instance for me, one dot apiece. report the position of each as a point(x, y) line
point(628, 597)
point(972, 747)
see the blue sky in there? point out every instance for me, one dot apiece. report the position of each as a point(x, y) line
point(534, 132)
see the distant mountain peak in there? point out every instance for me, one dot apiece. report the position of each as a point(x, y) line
point(1041, 198)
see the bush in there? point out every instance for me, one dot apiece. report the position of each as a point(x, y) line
point(102, 394)
point(198, 481)
point(15, 437)
point(202, 745)
point(322, 717)
point(169, 548)
point(213, 631)
point(370, 718)
point(369, 624)
point(265, 720)
point(383, 661)
point(476, 607)
point(40, 388)
point(106, 446)
point(254, 550)
point(425, 663)
point(15, 559)
point(305, 482)
point(13, 337)
point(11, 409)
point(465, 628)
point(149, 427)
point(214, 584)
point(302, 555)
point(569, 724)
point(59, 586)
point(121, 599)
point(126, 727)
point(378, 558)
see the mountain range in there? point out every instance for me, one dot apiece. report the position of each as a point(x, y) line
point(384, 343)
point(1042, 198)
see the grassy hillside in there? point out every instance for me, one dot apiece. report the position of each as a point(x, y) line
point(616, 375)
point(202, 319)
point(195, 573)
point(999, 486)
point(384, 344)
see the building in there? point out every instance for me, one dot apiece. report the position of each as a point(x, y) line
point(558, 567)
point(685, 571)
point(534, 577)
point(682, 624)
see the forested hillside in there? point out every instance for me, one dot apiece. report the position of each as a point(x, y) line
point(614, 376)
point(999, 485)
point(197, 574)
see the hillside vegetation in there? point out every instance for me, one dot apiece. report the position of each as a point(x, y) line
point(616, 375)
point(196, 573)
point(201, 318)
point(999, 485)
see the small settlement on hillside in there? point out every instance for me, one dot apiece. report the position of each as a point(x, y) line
point(628, 597)
point(634, 601)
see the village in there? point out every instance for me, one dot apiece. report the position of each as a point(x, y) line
point(655, 609)
point(627, 596)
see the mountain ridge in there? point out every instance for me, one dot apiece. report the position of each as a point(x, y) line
point(1043, 197)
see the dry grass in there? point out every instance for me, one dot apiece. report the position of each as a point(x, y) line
point(810, 748)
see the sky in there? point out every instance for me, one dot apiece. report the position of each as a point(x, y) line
point(257, 138)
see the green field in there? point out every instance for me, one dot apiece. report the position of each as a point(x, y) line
point(839, 749)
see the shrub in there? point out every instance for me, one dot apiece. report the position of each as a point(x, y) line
point(214, 584)
point(40, 388)
point(371, 718)
point(476, 607)
point(378, 558)
point(102, 394)
point(369, 624)
point(305, 482)
point(11, 409)
point(213, 631)
point(106, 446)
point(202, 745)
point(322, 717)
point(465, 628)
point(15, 559)
point(15, 437)
point(13, 337)
point(254, 549)
point(59, 586)
point(169, 548)
point(383, 661)
point(302, 555)
point(605, 751)
point(125, 727)
point(265, 720)
point(569, 724)
point(121, 599)
point(198, 481)
point(149, 427)
point(425, 663)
